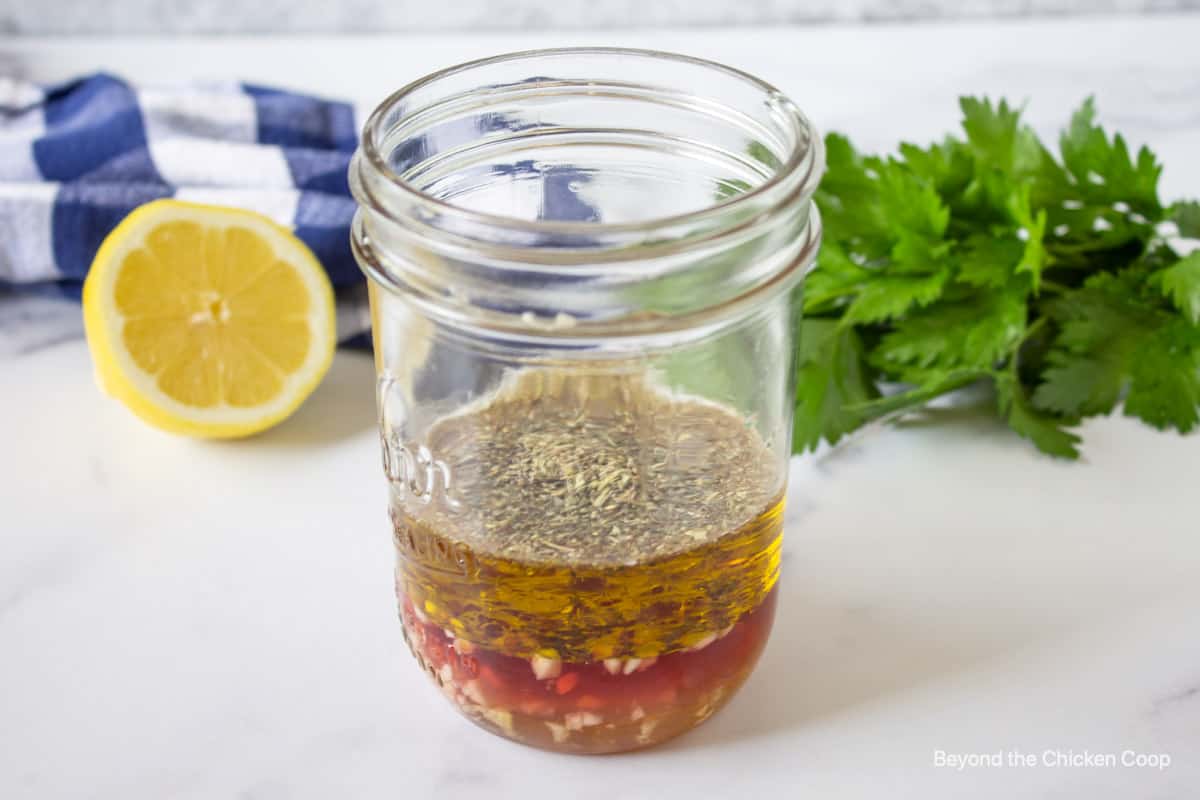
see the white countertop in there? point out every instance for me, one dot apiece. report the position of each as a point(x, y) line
point(182, 619)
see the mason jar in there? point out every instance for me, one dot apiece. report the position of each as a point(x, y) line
point(584, 275)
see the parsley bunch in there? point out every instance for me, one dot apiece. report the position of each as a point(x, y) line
point(988, 258)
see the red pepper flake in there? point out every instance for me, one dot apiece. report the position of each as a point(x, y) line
point(566, 682)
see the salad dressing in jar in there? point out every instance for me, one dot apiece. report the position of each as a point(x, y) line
point(584, 281)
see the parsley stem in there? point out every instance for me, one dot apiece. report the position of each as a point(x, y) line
point(1038, 324)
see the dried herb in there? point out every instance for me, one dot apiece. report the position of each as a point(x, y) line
point(599, 469)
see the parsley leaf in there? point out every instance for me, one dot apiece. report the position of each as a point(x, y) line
point(832, 378)
point(849, 197)
point(909, 203)
point(1165, 386)
point(1076, 386)
point(1046, 432)
point(837, 279)
point(1181, 282)
point(974, 332)
point(1099, 328)
point(1187, 217)
point(889, 296)
point(1103, 170)
point(989, 261)
point(948, 166)
point(1113, 339)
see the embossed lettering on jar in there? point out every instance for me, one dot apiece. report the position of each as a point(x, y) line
point(584, 274)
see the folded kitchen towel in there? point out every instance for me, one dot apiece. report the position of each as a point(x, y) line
point(77, 157)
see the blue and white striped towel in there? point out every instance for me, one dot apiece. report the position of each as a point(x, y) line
point(77, 157)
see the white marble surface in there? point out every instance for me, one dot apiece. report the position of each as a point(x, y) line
point(189, 620)
point(236, 16)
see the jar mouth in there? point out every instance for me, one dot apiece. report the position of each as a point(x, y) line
point(801, 164)
point(572, 193)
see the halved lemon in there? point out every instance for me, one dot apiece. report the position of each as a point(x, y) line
point(207, 321)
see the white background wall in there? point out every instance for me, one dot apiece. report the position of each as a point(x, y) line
point(246, 16)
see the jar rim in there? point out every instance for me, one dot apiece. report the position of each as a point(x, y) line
point(803, 150)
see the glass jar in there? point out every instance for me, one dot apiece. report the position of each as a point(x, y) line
point(584, 269)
